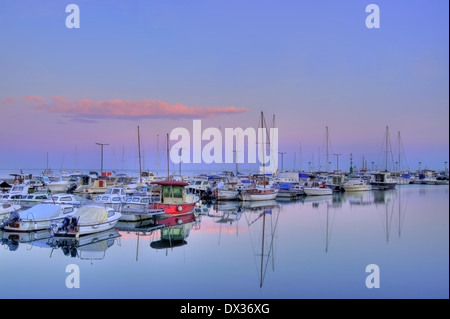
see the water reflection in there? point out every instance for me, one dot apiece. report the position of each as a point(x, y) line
point(89, 247)
point(262, 220)
point(310, 242)
point(175, 230)
point(12, 240)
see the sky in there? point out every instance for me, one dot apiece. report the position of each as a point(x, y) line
point(311, 67)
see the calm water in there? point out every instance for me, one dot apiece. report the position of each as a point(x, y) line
point(311, 248)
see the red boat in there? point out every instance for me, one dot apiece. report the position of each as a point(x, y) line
point(174, 198)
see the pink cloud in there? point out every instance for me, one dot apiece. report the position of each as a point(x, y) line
point(8, 100)
point(129, 109)
point(34, 98)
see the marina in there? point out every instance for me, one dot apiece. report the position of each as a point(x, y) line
point(224, 153)
point(302, 247)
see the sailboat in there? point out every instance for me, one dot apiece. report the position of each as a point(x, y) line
point(383, 179)
point(259, 192)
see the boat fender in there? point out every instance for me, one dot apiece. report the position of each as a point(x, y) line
point(179, 208)
point(179, 221)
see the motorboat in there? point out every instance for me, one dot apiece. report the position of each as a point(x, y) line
point(316, 188)
point(356, 185)
point(38, 217)
point(88, 219)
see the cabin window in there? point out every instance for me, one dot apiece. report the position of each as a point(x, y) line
point(67, 198)
point(177, 192)
point(166, 191)
point(30, 197)
point(105, 198)
point(110, 212)
point(135, 200)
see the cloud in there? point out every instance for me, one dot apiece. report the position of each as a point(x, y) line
point(127, 109)
point(33, 98)
point(8, 100)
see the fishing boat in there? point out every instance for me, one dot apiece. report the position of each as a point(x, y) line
point(38, 217)
point(87, 220)
point(175, 199)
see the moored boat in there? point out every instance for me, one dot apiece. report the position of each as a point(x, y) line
point(38, 217)
point(174, 199)
point(356, 185)
point(88, 219)
point(317, 189)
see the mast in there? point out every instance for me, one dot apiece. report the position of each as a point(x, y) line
point(399, 148)
point(167, 142)
point(264, 150)
point(328, 161)
point(387, 137)
point(157, 155)
point(139, 150)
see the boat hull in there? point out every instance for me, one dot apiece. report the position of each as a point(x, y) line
point(87, 229)
point(357, 188)
point(31, 225)
point(319, 191)
point(174, 209)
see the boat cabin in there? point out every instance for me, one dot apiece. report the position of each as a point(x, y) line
point(172, 192)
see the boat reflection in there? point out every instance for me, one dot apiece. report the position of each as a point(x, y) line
point(88, 247)
point(226, 212)
point(175, 230)
point(12, 240)
point(262, 220)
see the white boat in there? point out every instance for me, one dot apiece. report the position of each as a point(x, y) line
point(383, 180)
point(17, 191)
point(317, 189)
point(137, 208)
point(63, 184)
point(38, 217)
point(63, 198)
point(30, 200)
point(257, 194)
point(88, 219)
point(356, 185)
point(290, 191)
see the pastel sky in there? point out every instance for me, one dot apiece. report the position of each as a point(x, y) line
point(160, 65)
